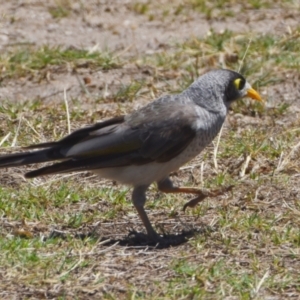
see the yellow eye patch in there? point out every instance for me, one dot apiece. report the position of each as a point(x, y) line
point(238, 83)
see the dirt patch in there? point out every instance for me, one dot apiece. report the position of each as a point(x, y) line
point(121, 27)
point(117, 25)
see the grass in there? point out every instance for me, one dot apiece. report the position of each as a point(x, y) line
point(61, 236)
point(210, 10)
point(22, 61)
point(60, 9)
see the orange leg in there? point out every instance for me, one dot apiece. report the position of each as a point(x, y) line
point(166, 186)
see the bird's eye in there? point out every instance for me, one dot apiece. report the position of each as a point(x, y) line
point(239, 83)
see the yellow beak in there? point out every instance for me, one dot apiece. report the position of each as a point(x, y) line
point(252, 93)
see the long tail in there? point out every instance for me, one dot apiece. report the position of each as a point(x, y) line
point(53, 169)
point(27, 158)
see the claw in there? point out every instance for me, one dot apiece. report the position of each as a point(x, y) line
point(192, 203)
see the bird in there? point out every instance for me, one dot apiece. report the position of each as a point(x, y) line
point(148, 144)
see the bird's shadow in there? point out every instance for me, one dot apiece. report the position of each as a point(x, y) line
point(136, 239)
point(139, 239)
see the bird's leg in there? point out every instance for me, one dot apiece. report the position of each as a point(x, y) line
point(167, 186)
point(139, 199)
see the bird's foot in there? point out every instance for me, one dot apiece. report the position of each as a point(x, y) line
point(203, 195)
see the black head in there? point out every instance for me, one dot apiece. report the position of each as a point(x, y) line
point(220, 85)
point(234, 85)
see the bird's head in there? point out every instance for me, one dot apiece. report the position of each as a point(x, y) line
point(237, 87)
point(218, 87)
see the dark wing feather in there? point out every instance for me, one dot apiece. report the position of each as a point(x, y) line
point(80, 134)
point(51, 151)
point(147, 135)
point(166, 128)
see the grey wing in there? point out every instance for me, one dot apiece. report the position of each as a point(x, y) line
point(145, 136)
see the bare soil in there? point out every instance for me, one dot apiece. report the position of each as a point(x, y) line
point(117, 26)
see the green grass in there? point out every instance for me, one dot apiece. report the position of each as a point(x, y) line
point(24, 61)
point(248, 241)
point(220, 9)
point(229, 258)
point(61, 9)
point(267, 57)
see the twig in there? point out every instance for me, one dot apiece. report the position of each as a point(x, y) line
point(14, 142)
point(248, 46)
point(282, 163)
point(67, 110)
point(82, 86)
point(245, 166)
point(216, 148)
point(32, 128)
point(257, 288)
point(201, 174)
point(74, 266)
point(5, 138)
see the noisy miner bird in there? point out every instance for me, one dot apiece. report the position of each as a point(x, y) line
point(145, 146)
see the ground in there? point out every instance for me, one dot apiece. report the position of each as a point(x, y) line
point(67, 63)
